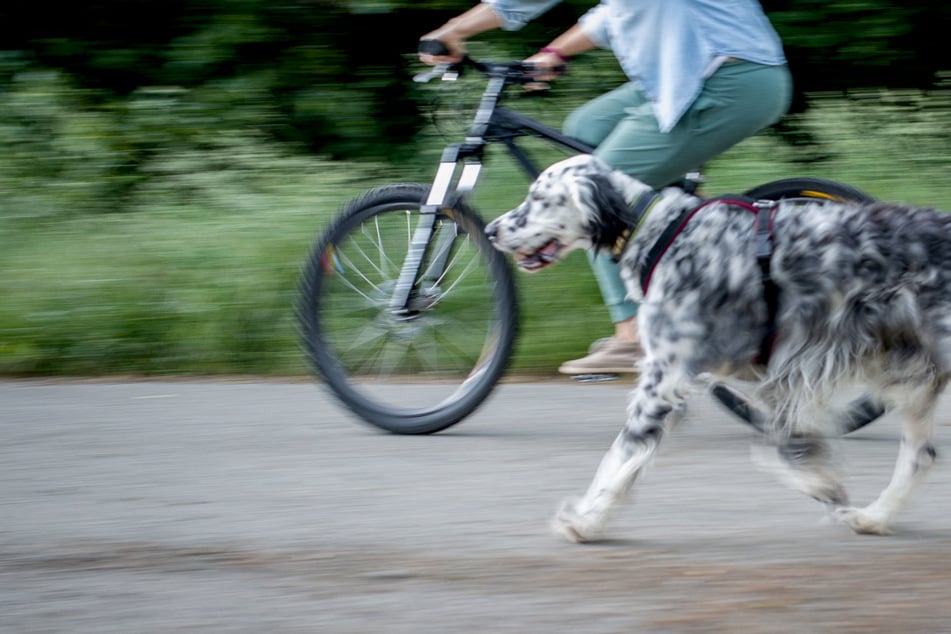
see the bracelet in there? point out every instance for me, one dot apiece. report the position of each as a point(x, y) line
point(554, 51)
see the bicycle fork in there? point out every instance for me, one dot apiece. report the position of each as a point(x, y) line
point(412, 278)
point(469, 156)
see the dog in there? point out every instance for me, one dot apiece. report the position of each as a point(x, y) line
point(844, 294)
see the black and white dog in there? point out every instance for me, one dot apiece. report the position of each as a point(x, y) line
point(861, 294)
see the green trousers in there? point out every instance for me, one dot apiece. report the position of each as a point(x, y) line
point(736, 102)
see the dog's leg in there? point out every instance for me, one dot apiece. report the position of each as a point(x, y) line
point(654, 406)
point(804, 463)
point(915, 456)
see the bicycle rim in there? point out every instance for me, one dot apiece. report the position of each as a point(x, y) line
point(418, 371)
point(809, 189)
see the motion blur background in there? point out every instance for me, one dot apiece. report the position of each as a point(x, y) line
point(165, 164)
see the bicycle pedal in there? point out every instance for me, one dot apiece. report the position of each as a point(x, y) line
point(594, 378)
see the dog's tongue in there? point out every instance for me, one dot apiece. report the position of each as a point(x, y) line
point(549, 250)
point(541, 258)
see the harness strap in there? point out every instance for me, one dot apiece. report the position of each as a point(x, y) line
point(763, 244)
point(764, 252)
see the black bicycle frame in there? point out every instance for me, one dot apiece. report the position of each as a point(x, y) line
point(492, 124)
point(508, 125)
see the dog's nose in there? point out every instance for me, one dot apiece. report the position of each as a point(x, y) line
point(492, 229)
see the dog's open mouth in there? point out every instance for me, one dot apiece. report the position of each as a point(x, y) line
point(541, 258)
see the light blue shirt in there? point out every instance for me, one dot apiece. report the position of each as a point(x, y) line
point(668, 46)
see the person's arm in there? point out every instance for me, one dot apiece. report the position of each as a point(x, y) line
point(508, 15)
point(456, 31)
point(572, 42)
point(590, 32)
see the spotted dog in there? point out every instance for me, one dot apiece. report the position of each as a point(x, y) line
point(863, 297)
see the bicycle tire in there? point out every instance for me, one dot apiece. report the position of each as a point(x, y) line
point(863, 410)
point(415, 373)
point(811, 188)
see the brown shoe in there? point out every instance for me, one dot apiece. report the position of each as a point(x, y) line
point(612, 356)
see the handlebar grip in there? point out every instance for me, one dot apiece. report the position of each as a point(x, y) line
point(433, 47)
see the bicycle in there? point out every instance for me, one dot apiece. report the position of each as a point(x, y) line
point(403, 285)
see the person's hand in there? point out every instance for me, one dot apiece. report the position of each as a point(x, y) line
point(548, 65)
point(451, 40)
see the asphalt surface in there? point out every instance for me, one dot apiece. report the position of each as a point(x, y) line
point(236, 506)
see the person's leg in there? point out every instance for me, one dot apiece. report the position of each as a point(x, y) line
point(595, 120)
point(739, 100)
point(593, 123)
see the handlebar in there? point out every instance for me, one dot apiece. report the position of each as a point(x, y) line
point(433, 47)
point(517, 72)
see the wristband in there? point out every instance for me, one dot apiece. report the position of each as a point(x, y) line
point(554, 51)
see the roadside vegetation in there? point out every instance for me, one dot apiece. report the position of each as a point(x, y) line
point(153, 222)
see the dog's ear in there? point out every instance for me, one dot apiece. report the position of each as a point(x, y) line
point(602, 205)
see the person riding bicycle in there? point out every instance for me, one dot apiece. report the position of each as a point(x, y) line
point(704, 75)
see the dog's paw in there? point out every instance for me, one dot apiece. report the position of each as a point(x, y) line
point(861, 521)
point(573, 525)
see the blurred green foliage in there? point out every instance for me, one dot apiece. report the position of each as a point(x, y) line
point(333, 76)
point(107, 101)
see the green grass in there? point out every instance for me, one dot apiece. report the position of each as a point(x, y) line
point(200, 287)
point(201, 278)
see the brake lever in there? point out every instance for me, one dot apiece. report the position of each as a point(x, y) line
point(446, 72)
point(428, 76)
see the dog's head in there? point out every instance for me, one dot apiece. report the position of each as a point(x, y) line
point(574, 204)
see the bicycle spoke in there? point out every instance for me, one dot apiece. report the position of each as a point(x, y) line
point(361, 341)
point(379, 244)
point(343, 279)
point(365, 256)
point(465, 272)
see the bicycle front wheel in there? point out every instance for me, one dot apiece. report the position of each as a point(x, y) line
point(429, 364)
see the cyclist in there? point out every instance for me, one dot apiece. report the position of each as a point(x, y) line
point(704, 75)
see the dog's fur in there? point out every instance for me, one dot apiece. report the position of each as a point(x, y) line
point(865, 298)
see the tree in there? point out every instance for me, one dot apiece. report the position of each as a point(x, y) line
point(334, 76)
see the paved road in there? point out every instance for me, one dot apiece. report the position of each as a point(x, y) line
point(263, 507)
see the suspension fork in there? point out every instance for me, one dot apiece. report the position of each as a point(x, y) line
point(466, 161)
point(469, 157)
